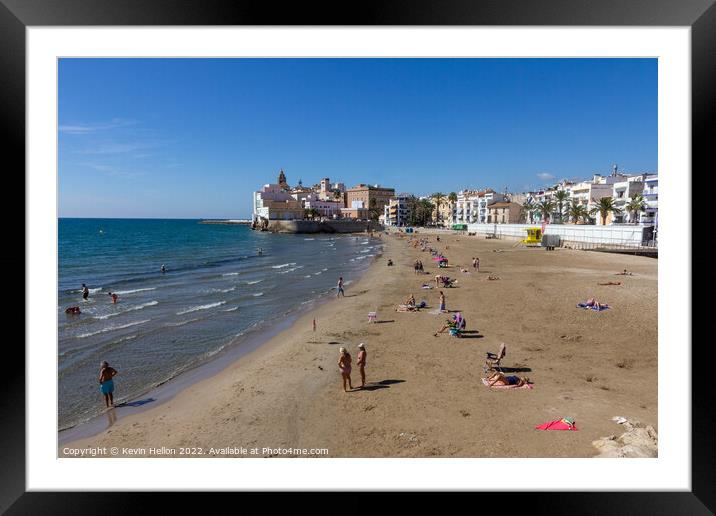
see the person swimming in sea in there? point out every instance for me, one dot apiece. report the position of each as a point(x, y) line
point(114, 297)
point(85, 292)
point(163, 269)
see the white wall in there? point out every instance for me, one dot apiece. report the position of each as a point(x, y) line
point(617, 234)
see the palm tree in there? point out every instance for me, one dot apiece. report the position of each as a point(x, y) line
point(545, 208)
point(425, 211)
point(526, 211)
point(337, 194)
point(604, 206)
point(452, 199)
point(439, 199)
point(374, 211)
point(561, 197)
point(577, 211)
point(636, 205)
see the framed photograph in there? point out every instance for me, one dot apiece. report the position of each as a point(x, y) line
point(410, 250)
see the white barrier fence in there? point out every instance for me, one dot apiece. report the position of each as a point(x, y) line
point(612, 235)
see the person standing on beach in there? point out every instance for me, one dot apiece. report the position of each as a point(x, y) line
point(340, 288)
point(344, 364)
point(362, 356)
point(442, 302)
point(106, 384)
point(477, 264)
point(85, 292)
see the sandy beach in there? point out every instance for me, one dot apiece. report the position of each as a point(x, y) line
point(424, 395)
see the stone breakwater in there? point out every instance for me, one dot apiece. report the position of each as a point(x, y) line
point(328, 226)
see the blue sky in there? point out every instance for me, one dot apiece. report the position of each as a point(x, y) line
point(192, 138)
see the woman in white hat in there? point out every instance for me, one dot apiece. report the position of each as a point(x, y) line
point(362, 356)
point(344, 364)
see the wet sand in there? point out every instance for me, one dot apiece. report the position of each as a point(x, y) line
point(424, 396)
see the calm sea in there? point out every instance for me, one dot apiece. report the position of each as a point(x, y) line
point(216, 288)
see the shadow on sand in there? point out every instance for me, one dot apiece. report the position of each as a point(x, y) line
point(374, 386)
point(137, 403)
point(516, 369)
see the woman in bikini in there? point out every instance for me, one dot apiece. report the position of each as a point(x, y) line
point(344, 364)
point(442, 302)
point(499, 378)
point(450, 323)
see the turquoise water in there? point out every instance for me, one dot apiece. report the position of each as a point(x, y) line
point(216, 288)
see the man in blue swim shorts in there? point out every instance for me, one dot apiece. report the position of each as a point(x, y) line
point(106, 384)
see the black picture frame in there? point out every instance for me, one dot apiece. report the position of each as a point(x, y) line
point(17, 15)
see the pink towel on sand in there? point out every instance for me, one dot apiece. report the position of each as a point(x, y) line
point(486, 383)
point(557, 424)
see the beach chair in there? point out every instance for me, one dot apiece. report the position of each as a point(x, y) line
point(372, 316)
point(492, 360)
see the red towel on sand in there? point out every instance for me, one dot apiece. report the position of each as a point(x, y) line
point(557, 424)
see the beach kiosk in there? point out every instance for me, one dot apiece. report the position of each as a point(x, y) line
point(534, 236)
point(459, 227)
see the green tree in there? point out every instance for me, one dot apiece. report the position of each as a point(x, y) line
point(604, 207)
point(577, 211)
point(545, 209)
point(420, 211)
point(561, 197)
point(310, 213)
point(634, 206)
point(375, 213)
point(526, 211)
point(439, 199)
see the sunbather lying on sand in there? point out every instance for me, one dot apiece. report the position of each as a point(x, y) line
point(625, 273)
point(493, 278)
point(499, 378)
point(611, 283)
point(593, 303)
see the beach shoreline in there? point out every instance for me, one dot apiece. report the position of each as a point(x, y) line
point(250, 342)
point(424, 397)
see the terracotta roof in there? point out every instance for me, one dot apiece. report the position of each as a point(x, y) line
point(500, 204)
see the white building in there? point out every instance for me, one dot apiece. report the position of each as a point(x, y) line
point(484, 199)
point(466, 207)
point(397, 211)
point(588, 193)
point(622, 193)
point(471, 205)
point(323, 207)
point(326, 190)
point(273, 202)
point(651, 196)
